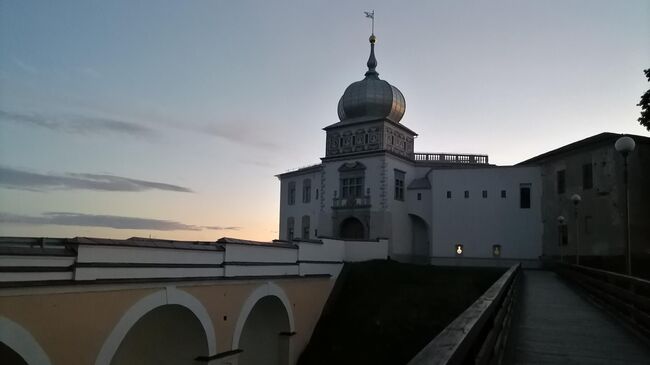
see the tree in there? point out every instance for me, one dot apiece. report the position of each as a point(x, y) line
point(644, 119)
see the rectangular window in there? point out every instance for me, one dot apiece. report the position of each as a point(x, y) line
point(305, 227)
point(352, 187)
point(561, 181)
point(419, 196)
point(448, 194)
point(564, 235)
point(291, 197)
point(316, 193)
point(524, 196)
point(503, 194)
point(484, 194)
point(466, 194)
point(399, 185)
point(587, 176)
point(306, 191)
point(290, 229)
point(588, 224)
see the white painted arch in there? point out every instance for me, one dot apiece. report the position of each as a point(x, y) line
point(21, 341)
point(169, 295)
point(264, 290)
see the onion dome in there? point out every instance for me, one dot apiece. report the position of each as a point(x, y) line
point(371, 98)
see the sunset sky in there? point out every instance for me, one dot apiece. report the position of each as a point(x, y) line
point(171, 118)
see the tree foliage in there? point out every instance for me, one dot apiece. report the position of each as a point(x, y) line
point(644, 119)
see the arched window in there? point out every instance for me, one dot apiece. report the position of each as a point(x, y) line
point(305, 227)
point(290, 229)
point(306, 190)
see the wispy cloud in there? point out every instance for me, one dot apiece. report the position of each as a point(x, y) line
point(77, 124)
point(26, 180)
point(24, 66)
point(246, 133)
point(219, 228)
point(92, 220)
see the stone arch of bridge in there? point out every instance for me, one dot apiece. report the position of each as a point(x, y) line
point(167, 296)
point(19, 340)
point(264, 290)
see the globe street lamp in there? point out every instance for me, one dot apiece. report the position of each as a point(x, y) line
point(560, 225)
point(575, 198)
point(625, 145)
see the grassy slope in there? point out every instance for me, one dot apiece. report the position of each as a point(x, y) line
point(385, 312)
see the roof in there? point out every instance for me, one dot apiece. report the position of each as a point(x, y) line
point(593, 141)
point(347, 123)
point(238, 241)
point(420, 183)
point(301, 171)
point(148, 242)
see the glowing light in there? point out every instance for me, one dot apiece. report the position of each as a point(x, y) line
point(459, 249)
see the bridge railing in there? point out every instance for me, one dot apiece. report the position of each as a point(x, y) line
point(480, 333)
point(628, 296)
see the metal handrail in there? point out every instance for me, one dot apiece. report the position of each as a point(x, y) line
point(480, 333)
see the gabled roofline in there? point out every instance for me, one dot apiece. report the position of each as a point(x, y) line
point(595, 140)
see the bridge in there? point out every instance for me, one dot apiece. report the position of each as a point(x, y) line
point(100, 301)
point(569, 315)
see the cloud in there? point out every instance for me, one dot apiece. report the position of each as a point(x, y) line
point(25, 180)
point(92, 220)
point(218, 228)
point(77, 124)
point(25, 67)
point(245, 133)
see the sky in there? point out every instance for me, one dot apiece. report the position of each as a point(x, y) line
point(170, 119)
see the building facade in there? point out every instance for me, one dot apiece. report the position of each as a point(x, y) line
point(431, 207)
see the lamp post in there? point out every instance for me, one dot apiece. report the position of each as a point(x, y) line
point(575, 198)
point(625, 145)
point(560, 224)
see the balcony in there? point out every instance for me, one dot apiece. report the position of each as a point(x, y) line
point(351, 202)
point(449, 158)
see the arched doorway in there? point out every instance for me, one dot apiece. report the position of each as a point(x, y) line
point(169, 334)
point(264, 335)
point(10, 357)
point(352, 228)
point(420, 246)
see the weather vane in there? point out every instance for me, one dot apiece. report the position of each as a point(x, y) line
point(371, 15)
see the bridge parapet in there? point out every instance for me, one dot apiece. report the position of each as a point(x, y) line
point(57, 261)
point(627, 296)
point(480, 333)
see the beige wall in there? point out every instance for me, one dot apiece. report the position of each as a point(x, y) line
point(72, 323)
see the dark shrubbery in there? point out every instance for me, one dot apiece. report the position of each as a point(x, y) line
point(384, 312)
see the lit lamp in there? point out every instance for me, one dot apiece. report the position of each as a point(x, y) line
point(560, 224)
point(625, 145)
point(576, 199)
point(459, 250)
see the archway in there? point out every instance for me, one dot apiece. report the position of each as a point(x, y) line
point(170, 334)
point(270, 304)
point(351, 228)
point(173, 302)
point(420, 246)
point(17, 346)
point(262, 336)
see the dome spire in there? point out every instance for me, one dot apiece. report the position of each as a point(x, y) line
point(372, 61)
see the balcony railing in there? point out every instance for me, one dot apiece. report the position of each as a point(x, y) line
point(351, 202)
point(450, 158)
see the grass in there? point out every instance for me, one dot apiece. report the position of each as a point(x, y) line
point(384, 312)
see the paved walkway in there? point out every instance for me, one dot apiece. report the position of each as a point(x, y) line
point(554, 325)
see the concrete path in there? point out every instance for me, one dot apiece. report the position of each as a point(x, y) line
point(554, 325)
